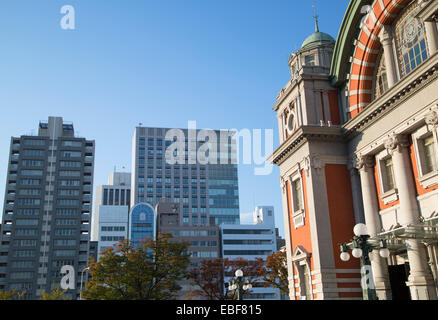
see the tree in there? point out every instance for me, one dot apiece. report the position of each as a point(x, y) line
point(149, 272)
point(275, 272)
point(210, 276)
point(55, 294)
point(11, 294)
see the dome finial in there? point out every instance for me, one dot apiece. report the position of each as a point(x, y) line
point(315, 17)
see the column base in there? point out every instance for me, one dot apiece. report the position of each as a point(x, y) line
point(383, 290)
point(422, 288)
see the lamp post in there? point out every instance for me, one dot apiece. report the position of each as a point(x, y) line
point(82, 280)
point(239, 285)
point(361, 247)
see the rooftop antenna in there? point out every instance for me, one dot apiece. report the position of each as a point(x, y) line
point(315, 16)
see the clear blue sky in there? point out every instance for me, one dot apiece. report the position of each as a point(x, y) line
point(161, 63)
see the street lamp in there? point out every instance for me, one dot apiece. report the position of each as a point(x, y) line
point(82, 280)
point(361, 247)
point(239, 285)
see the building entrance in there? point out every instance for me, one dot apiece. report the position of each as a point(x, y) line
point(398, 276)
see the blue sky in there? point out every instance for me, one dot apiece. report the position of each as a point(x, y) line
point(162, 63)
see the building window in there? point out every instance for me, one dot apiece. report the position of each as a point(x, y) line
point(297, 195)
point(309, 60)
point(430, 161)
point(386, 178)
point(304, 276)
point(297, 204)
point(425, 144)
point(301, 261)
point(381, 77)
point(410, 40)
point(388, 175)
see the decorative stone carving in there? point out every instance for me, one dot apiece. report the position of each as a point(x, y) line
point(306, 161)
point(283, 184)
point(363, 162)
point(395, 142)
point(432, 119)
point(317, 163)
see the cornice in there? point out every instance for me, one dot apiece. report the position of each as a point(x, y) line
point(303, 135)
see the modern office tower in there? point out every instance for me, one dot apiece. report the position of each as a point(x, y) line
point(207, 193)
point(249, 242)
point(111, 210)
point(204, 240)
point(46, 218)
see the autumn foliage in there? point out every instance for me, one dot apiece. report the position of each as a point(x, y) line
point(149, 272)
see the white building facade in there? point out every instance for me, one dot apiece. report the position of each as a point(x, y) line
point(252, 241)
point(110, 221)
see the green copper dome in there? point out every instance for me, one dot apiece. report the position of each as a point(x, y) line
point(317, 37)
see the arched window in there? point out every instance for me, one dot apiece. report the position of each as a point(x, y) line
point(381, 79)
point(410, 40)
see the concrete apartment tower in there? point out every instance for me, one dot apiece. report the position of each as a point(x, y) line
point(47, 207)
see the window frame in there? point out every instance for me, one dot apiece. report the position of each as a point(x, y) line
point(298, 214)
point(387, 195)
point(426, 179)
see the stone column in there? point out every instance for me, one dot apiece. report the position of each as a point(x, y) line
point(357, 192)
point(365, 165)
point(287, 231)
point(388, 51)
point(420, 280)
point(430, 28)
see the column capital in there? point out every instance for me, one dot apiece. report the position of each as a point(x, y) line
point(396, 142)
point(364, 162)
point(432, 118)
point(386, 35)
point(283, 184)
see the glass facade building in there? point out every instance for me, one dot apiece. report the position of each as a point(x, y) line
point(142, 223)
point(207, 192)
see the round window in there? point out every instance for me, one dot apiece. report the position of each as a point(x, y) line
point(291, 122)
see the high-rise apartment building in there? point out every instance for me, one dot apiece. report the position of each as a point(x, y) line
point(207, 192)
point(46, 217)
point(111, 210)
